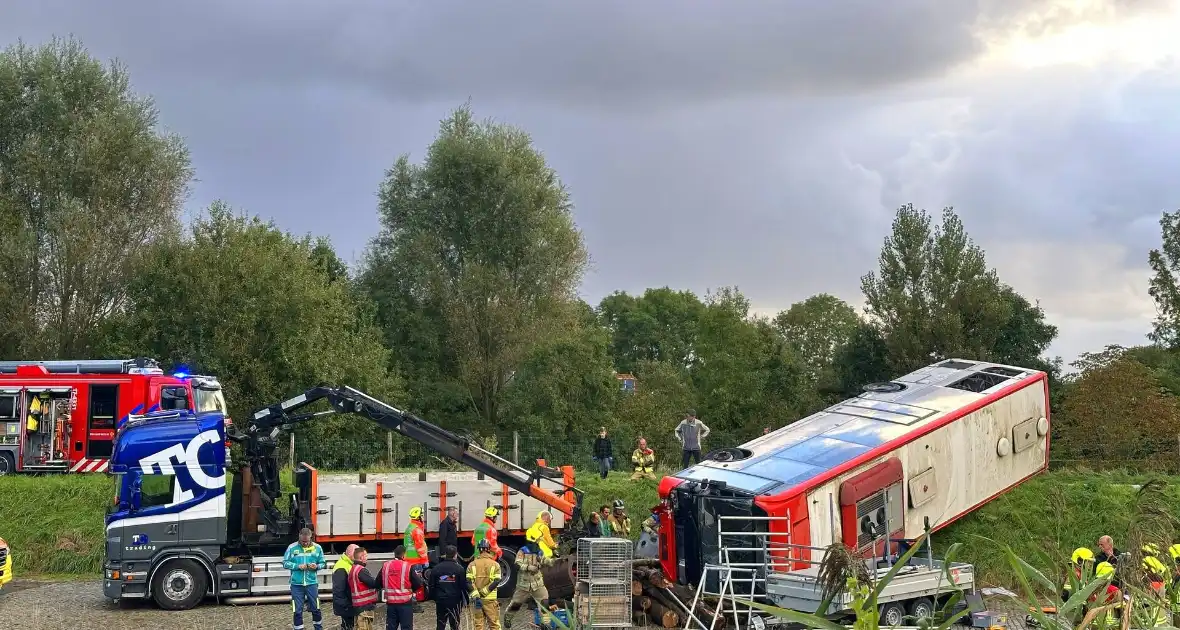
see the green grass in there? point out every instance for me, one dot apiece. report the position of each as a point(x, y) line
point(55, 524)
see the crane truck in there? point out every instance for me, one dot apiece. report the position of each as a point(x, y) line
point(172, 538)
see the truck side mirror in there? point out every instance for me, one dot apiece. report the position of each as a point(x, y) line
point(136, 482)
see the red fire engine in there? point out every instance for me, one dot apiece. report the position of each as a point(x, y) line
point(62, 416)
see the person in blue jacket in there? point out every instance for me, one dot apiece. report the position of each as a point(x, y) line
point(304, 559)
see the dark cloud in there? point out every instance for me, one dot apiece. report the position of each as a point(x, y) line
point(763, 144)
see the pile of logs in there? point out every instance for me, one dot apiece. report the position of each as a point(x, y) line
point(657, 601)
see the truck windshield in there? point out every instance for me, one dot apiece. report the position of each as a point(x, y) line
point(208, 399)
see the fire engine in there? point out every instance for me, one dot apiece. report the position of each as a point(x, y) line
point(62, 416)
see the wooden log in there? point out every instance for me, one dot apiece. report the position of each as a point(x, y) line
point(644, 602)
point(636, 588)
point(664, 616)
point(639, 618)
point(646, 562)
point(703, 612)
point(654, 577)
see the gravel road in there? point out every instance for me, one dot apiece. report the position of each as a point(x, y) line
point(81, 606)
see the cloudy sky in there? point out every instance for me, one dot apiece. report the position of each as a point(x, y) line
point(751, 143)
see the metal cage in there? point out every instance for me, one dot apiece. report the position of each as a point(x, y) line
point(604, 583)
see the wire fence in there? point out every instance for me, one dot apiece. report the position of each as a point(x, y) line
point(392, 451)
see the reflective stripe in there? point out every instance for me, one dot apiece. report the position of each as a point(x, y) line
point(362, 595)
point(397, 582)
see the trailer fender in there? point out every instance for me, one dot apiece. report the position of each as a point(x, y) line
point(195, 557)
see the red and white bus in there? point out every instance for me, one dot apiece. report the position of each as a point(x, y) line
point(83, 404)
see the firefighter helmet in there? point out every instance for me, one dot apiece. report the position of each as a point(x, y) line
point(1174, 551)
point(415, 513)
point(1150, 549)
point(492, 511)
point(1082, 554)
point(484, 545)
point(1104, 569)
point(619, 504)
point(1153, 566)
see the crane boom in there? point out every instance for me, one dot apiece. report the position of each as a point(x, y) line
point(259, 443)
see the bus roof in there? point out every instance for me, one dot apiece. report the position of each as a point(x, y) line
point(826, 440)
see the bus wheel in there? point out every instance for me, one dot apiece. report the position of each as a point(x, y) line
point(179, 585)
point(7, 464)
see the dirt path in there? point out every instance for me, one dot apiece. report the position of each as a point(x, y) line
point(81, 606)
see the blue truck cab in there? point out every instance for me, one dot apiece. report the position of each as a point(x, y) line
point(167, 527)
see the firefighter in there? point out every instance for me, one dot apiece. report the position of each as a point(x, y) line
point(486, 530)
point(530, 584)
point(648, 544)
point(620, 523)
point(363, 587)
point(483, 574)
point(544, 536)
point(1111, 597)
point(1153, 602)
point(644, 461)
point(1174, 589)
point(1081, 562)
point(399, 579)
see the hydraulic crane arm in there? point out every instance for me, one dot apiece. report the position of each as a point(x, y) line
point(258, 440)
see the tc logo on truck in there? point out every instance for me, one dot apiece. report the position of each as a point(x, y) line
point(188, 457)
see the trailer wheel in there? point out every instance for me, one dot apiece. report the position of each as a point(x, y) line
point(892, 614)
point(179, 585)
point(7, 464)
point(922, 608)
point(507, 583)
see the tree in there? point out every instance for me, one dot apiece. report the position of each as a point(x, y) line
point(863, 359)
point(477, 258)
point(87, 182)
point(246, 302)
point(816, 328)
point(1164, 288)
point(660, 325)
point(1117, 415)
point(564, 388)
point(934, 297)
point(662, 396)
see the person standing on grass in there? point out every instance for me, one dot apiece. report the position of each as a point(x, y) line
point(603, 453)
point(691, 432)
point(304, 559)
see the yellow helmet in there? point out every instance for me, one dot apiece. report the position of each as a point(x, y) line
point(492, 512)
point(1104, 569)
point(1150, 549)
point(1082, 554)
point(1152, 565)
point(415, 513)
point(1174, 551)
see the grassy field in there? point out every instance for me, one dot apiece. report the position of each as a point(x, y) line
point(55, 524)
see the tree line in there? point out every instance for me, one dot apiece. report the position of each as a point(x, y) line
point(465, 308)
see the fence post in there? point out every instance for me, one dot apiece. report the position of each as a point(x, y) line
point(389, 448)
point(292, 450)
point(516, 448)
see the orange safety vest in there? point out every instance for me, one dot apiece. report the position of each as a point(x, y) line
point(397, 582)
point(362, 595)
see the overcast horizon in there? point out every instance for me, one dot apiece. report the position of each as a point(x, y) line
point(765, 145)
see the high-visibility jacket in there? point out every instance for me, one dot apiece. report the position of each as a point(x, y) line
point(644, 460)
point(542, 532)
point(34, 414)
point(487, 529)
point(483, 574)
point(395, 582)
point(415, 543)
point(362, 594)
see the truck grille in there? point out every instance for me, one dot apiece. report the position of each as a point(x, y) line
point(3, 557)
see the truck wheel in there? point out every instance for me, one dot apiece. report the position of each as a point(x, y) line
point(922, 608)
point(507, 573)
point(179, 585)
point(892, 614)
point(7, 464)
